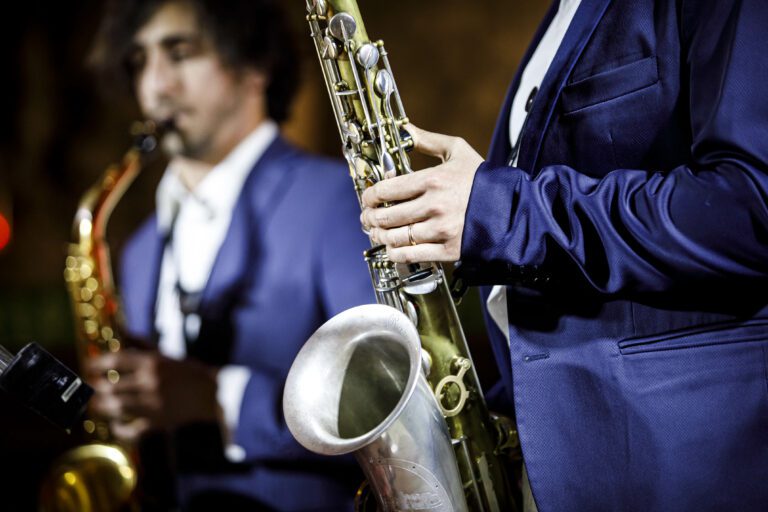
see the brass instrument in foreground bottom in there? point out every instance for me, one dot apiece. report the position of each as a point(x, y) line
point(93, 477)
point(100, 476)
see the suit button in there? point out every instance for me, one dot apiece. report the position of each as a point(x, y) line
point(529, 101)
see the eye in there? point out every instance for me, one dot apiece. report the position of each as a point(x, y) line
point(181, 50)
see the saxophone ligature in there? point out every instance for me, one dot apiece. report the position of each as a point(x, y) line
point(100, 476)
point(405, 400)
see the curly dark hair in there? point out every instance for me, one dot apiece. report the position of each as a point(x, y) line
point(245, 33)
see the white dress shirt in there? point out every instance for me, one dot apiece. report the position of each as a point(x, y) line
point(531, 79)
point(200, 220)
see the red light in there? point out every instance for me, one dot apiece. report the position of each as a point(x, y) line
point(5, 232)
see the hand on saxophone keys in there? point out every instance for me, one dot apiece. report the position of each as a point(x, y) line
point(427, 221)
point(152, 392)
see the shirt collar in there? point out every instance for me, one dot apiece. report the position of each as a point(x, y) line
point(219, 189)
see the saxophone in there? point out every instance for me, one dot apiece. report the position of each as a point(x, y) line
point(393, 382)
point(100, 476)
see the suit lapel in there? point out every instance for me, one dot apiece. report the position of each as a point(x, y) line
point(238, 252)
point(138, 287)
point(588, 15)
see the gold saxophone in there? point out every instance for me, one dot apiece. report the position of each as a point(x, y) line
point(99, 476)
point(355, 386)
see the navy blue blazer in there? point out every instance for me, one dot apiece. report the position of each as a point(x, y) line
point(291, 259)
point(633, 238)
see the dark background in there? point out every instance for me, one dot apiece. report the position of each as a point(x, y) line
point(453, 62)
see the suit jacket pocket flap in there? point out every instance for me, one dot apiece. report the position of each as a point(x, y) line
point(707, 335)
point(609, 84)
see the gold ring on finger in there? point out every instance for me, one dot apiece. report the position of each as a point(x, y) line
point(410, 235)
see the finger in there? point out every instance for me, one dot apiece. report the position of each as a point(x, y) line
point(107, 405)
point(124, 361)
point(412, 234)
point(400, 214)
point(430, 143)
point(397, 237)
point(98, 365)
point(140, 405)
point(419, 253)
point(398, 188)
point(130, 431)
point(131, 383)
point(112, 380)
point(127, 395)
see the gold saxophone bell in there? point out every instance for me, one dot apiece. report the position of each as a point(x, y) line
point(90, 478)
point(100, 476)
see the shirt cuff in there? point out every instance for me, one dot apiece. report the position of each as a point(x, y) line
point(232, 381)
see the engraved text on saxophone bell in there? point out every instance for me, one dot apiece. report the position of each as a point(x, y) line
point(401, 473)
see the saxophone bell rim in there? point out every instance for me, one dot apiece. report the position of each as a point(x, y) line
point(316, 428)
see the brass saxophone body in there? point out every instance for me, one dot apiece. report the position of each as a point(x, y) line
point(99, 476)
point(370, 116)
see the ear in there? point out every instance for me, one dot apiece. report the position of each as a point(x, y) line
point(256, 79)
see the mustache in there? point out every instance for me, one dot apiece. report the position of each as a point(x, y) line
point(167, 112)
point(163, 126)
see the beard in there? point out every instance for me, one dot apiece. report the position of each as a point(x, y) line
point(177, 139)
point(180, 142)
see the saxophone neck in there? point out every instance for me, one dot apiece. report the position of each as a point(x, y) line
point(88, 269)
point(99, 201)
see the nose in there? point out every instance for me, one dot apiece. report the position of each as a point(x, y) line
point(158, 83)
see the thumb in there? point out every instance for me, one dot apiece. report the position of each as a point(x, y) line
point(430, 143)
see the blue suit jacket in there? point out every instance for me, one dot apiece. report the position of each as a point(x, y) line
point(291, 259)
point(634, 240)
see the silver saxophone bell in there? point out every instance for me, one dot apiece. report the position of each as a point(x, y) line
point(357, 386)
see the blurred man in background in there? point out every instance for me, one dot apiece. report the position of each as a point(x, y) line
point(229, 277)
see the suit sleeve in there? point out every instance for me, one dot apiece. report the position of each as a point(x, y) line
point(649, 231)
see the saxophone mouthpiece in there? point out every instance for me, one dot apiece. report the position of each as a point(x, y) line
point(146, 135)
point(151, 133)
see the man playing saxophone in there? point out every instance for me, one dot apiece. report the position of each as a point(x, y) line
point(620, 217)
point(228, 277)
